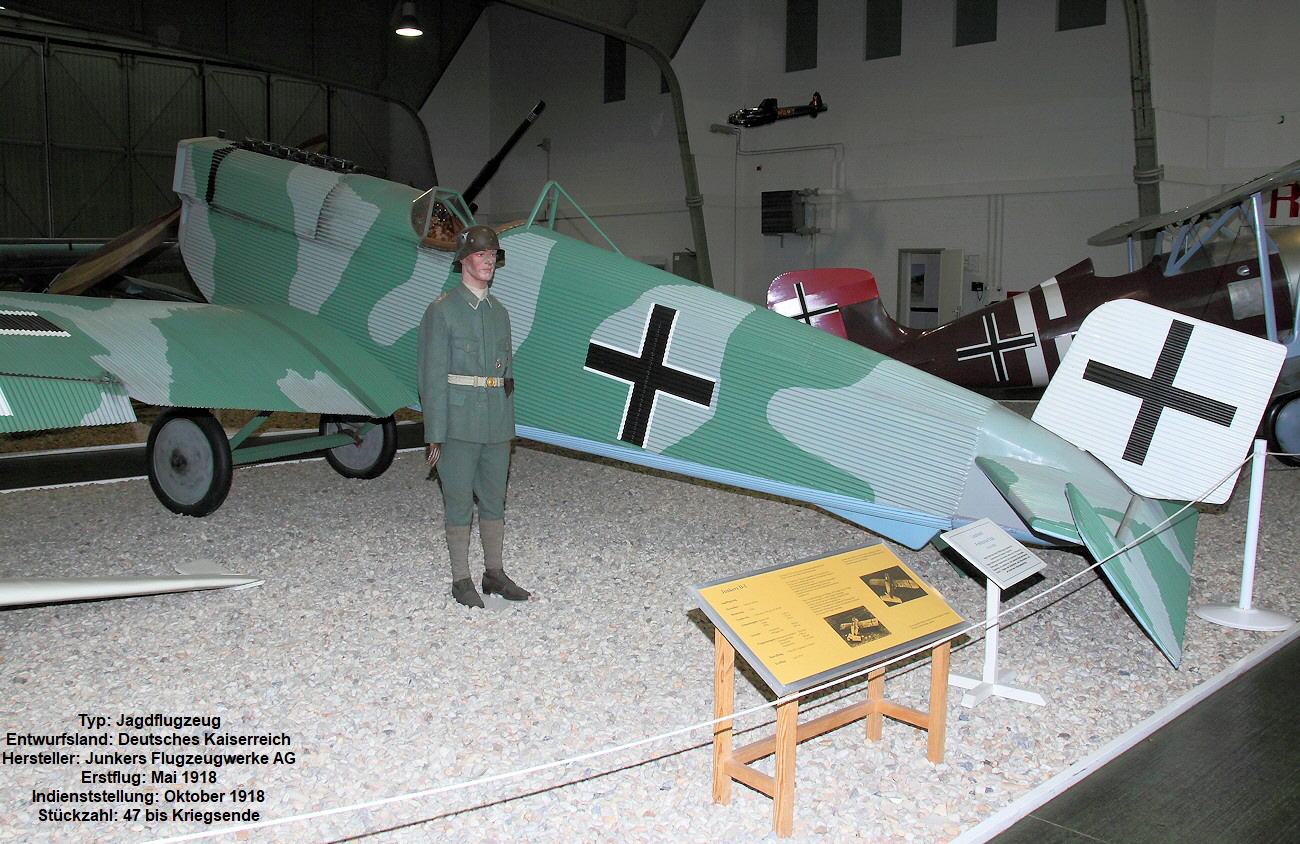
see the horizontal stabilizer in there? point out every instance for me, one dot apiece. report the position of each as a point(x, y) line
point(1037, 493)
point(1154, 575)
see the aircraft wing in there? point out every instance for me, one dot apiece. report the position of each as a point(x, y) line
point(1154, 222)
point(192, 577)
point(1152, 577)
point(70, 361)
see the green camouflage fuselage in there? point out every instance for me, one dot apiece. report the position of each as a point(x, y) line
point(743, 394)
point(318, 280)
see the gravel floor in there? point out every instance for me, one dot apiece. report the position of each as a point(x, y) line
point(354, 648)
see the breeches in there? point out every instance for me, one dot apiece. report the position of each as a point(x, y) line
point(473, 470)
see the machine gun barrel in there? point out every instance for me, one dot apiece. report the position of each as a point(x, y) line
point(489, 170)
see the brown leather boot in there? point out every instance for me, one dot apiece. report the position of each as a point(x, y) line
point(491, 533)
point(465, 593)
point(462, 588)
point(497, 582)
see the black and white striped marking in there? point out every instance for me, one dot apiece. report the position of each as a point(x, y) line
point(1158, 392)
point(28, 324)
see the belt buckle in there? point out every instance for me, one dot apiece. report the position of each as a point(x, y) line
point(489, 382)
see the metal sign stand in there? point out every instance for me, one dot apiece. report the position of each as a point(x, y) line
point(1004, 562)
point(992, 682)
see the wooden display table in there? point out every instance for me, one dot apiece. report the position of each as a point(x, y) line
point(735, 764)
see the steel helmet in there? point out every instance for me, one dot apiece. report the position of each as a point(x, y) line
point(478, 239)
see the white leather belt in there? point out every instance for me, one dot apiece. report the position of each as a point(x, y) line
point(475, 381)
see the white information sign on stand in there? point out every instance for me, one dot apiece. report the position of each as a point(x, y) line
point(1004, 562)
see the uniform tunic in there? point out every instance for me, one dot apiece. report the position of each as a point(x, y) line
point(460, 335)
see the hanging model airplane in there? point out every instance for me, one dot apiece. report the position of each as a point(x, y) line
point(768, 112)
point(317, 280)
point(1020, 341)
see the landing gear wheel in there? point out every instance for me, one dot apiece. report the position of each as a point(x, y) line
point(370, 457)
point(1282, 427)
point(189, 461)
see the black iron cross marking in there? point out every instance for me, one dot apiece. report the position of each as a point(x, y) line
point(29, 324)
point(648, 375)
point(996, 347)
point(806, 316)
point(1158, 392)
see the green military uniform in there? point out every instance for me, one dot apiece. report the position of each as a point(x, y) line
point(466, 393)
point(463, 336)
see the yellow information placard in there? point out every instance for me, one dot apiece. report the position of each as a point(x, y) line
point(799, 624)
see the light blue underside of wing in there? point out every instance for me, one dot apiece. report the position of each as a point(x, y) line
point(905, 527)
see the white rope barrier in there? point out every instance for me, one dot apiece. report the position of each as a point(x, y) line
point(974, 627)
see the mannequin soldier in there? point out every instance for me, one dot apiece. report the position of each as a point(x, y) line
point(466, 387)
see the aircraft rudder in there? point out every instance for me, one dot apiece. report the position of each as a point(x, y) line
point(1141, 388)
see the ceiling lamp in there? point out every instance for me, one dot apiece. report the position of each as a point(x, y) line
point(408, 25)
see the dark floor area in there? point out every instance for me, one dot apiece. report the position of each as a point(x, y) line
point(1225, 771)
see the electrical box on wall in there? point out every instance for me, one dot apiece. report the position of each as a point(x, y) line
point(686, 265)
point(782, 212)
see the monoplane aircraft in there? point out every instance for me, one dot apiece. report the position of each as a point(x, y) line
point(316, 280)
point(769, 112)
point(1212, 272)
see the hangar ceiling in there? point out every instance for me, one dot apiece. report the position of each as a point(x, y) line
point(158, 69)
point(350, 42)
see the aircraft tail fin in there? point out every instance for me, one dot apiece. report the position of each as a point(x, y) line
point(1154, 575)
point(1144, 389)
point(843, 302)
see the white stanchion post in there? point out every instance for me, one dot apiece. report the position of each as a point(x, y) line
point(1244, 616)
point(992, 682)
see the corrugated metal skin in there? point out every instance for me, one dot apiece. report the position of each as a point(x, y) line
point(185, 355)
point(350, 263)
point(1130, 336)
point(791, 404)
point(40, 403)
point(872, 399)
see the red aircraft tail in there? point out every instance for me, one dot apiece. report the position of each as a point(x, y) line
point(843, 302)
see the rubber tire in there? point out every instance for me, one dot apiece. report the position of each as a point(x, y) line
point(372, 457)
point(1284, 412)
point(189, 463)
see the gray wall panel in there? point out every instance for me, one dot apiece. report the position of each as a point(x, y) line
point(22, 141)
point(299, 111)
point(359, 130)
point(88, 134)
point(236, 103)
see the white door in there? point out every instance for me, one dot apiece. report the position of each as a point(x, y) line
point(929, 286)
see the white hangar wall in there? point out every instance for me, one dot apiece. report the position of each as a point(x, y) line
point(1013, 151)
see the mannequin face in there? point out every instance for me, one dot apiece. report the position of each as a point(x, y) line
point(477, 268)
